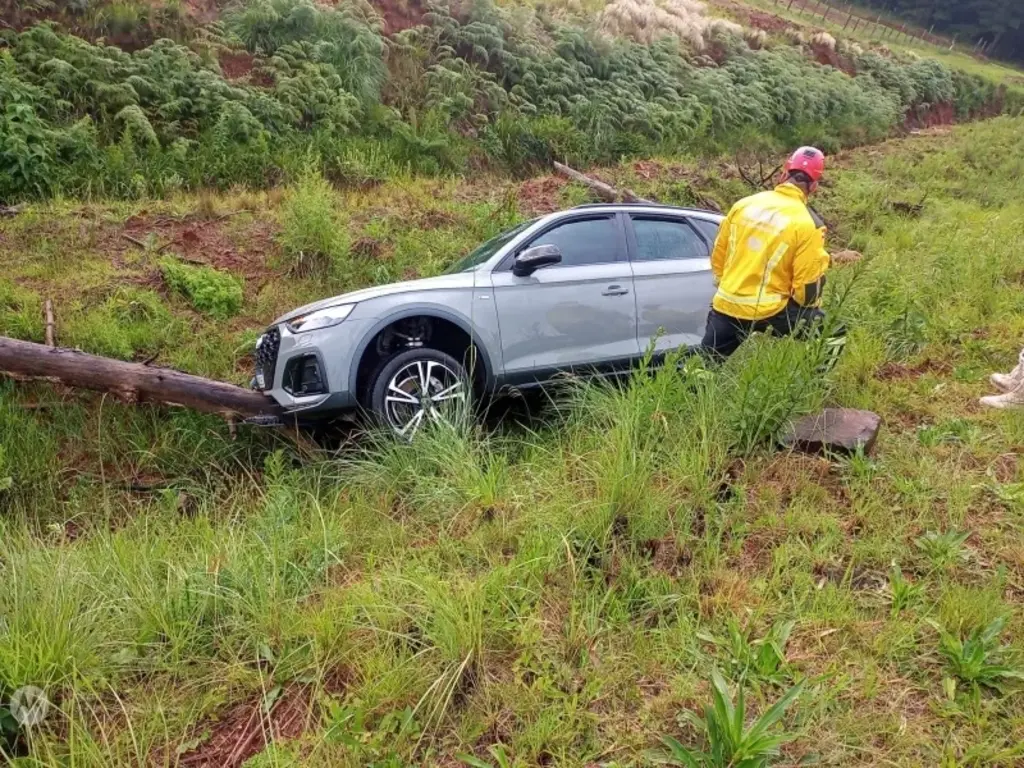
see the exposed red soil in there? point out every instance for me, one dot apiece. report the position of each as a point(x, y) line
point(666, 555)
point(828, 57)
point(399, 15)
point(236, 65)
point(245, 729)
point(899, 371)
point(769, 22)
point(203, 241)
point(542, 195)
point(935, 115)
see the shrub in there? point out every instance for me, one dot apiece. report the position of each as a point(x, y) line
point(312, 234)
point(209, 291)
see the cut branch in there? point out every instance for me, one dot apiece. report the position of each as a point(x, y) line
point(50, 325)
point(132, 382)
point(605, 192)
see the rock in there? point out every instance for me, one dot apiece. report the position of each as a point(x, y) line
point(834, 430)
point(846, 257)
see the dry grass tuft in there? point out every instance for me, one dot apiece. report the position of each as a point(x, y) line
point(646, 21)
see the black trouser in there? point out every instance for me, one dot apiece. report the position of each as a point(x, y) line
point(724, 334)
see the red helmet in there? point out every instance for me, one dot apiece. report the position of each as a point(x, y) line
point(809, 160)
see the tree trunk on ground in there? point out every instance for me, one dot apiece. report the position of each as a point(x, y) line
point(132, 382)
point(605, 192)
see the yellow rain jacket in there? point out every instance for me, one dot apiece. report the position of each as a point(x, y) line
point(770, 249)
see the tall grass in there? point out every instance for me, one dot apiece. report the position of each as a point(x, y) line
point(555, 594)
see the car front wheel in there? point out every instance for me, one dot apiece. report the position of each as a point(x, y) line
point(420, 386)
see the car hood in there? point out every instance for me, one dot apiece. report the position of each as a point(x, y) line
point(442, 282)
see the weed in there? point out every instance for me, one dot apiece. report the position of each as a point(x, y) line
point(758, 660)
point(497, 751)
point(903, 593)
point(978, 659)
point(729, 740)
point(944, 550)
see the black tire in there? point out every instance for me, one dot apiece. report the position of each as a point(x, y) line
point(447, 381)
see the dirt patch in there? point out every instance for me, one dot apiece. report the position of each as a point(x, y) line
point(666, 555)
point(934, 115)
point(245, 729)
point(789, 473)
point(236, 65)
point(769, 22)
point(900, 371)
point(400, 14)
point(199, 241)
point(827, 56)
point(541, 195)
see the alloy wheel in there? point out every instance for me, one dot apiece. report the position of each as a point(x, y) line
point(423, 390)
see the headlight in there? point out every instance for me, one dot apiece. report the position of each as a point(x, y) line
point(321, 318)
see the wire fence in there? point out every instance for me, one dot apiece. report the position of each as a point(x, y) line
point(879, 27)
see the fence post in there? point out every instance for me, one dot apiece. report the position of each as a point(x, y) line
point(828, 7)
point(952, 46)
point(848, 20)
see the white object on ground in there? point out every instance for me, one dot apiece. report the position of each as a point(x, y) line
point(1007, 382)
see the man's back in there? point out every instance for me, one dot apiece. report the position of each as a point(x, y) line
point(769, 248)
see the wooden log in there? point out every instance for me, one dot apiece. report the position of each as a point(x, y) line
point(604, 192)
point(132, 382)
point(50, 325)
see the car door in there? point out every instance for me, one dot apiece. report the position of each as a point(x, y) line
point(578, 313)
point(671, 258)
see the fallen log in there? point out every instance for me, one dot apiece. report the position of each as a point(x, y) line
point(604, 192)
point(132, 382)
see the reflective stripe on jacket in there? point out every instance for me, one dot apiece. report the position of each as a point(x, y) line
point(769, 250)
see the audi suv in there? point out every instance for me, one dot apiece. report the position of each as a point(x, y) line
point(583, 290)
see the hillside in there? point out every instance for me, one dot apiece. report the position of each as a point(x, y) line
point(558, 594)
point(197, 96)
point(572, 584)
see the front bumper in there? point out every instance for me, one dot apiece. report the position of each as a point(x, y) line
point(292, 369)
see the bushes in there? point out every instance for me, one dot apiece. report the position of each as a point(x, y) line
point(215, 293)
point(485, 87)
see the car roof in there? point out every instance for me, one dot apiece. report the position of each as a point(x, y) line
point(646, 206)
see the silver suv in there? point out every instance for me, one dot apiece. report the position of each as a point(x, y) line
point(580, 290)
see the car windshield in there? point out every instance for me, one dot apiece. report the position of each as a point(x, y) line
point(488, 249)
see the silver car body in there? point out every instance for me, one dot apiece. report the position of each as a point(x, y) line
point(527, 329)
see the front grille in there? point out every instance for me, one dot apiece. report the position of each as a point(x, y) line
point(266, 356)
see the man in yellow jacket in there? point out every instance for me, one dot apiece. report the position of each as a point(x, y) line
point(769, 260)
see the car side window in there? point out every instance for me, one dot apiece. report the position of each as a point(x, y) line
point(707, 228)
point(661, 239)
point(584, 241)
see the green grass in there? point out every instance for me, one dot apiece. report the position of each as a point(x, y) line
point(548, 596)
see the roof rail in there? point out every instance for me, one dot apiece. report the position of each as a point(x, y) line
point(643, 205)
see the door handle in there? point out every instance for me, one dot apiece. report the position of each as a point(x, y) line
point(615, 290)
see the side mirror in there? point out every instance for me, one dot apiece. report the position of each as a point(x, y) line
point(532, 259)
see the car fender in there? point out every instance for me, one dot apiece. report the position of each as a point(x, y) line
point(428, 310)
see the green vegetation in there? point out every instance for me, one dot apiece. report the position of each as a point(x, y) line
point(208, 290)
point(731, 742)
point(488, 87)
point(551, 594)
point(312, 233)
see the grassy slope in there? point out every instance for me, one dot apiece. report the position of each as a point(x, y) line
point(554, 591)
point(811, 17)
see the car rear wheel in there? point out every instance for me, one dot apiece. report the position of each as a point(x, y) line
point(417, 387)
